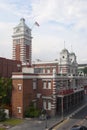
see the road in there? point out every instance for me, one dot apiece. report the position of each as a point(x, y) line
point(78, 119)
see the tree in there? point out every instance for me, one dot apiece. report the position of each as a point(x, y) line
point(85, 70)
point(2, 114)
point(5, 91)
point(31, 111)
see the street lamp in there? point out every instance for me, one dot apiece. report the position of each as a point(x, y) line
point(44, 112)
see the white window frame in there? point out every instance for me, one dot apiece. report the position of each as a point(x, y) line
point(34, 85)
point(49, 85)
point(19, 109)
point(19, 87)
point(48, 71)
point(44, 85)
point(49, 105)
point(54, 69)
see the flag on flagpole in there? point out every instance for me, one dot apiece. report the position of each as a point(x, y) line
point(37, 24)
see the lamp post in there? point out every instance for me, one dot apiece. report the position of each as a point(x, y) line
point(44, 112)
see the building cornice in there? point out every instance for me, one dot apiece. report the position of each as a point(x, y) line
point(32, 76)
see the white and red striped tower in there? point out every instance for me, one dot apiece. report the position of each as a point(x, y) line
point(64, 61)
point(22, 43)
point(68, 63)
point(53, 106)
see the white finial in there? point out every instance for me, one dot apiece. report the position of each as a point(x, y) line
point(22, 20)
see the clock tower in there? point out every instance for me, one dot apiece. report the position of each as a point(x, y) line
point(22, 43)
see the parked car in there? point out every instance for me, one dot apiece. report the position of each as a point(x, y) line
point(76, 127)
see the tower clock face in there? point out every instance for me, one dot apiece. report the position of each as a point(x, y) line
point(18, 30)
point(72, 59)
point(63, 57)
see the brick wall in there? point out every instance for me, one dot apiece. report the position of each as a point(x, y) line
point(46, 67)
point(7, 66)
point(24, 97)
point(17, 98)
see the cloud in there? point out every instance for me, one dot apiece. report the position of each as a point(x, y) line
point(6, 39)
point(59, 11)
point(59, 20)
point(55, 10)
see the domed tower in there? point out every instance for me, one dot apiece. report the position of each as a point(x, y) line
point(72, 57)
point(73, 63)
point(64, 61)
point(64, 56)
point(22, 43)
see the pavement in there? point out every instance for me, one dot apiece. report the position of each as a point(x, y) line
point(36, 124)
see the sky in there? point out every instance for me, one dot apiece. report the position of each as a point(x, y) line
point(63, 24)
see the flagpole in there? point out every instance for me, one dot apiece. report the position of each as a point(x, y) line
point(35, 23)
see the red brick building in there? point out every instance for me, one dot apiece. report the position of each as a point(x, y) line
point(7, 66)
point(52, 92)
point(54, 86)
point(46, 67)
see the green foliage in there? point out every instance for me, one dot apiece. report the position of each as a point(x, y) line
point(2, 129)
point(13, 121)
point(32, 112)
point(10, 122)
point(2, 114)
point(85, 70)
point(5, 91)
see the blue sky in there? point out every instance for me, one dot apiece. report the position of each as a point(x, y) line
point(60, 20)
